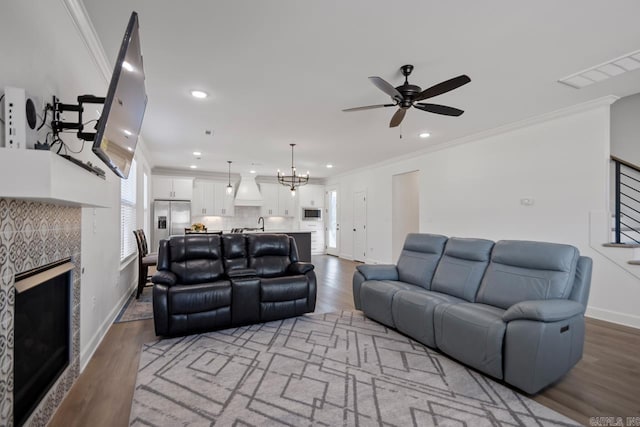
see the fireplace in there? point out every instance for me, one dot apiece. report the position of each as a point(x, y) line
point(41, 334)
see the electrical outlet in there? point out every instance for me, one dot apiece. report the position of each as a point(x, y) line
point(93, 303)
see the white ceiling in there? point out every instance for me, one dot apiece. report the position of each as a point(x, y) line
point(281, 71)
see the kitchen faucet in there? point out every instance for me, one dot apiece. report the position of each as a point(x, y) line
point(261, 219)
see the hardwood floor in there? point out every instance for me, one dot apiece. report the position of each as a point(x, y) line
point(606, 382)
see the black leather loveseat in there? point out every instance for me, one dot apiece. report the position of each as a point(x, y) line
point(208, 282)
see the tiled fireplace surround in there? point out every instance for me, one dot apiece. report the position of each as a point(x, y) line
point(33, 234)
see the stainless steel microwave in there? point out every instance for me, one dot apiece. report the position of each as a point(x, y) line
point(311, 214)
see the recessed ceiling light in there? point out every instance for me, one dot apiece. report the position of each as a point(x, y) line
point(127, 66)
point(197, 153)
point(127, 132)
point(193, 167)
point(252, 171)
point(329, 166)
point(425, 135)
point(129, 148)
point(199, 94)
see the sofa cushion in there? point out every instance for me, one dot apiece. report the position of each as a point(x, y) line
point(524, 270)
point(269, 254)
point(195, 258)
point(419, 258)
point(413, 313)
point(472, 333)
point(187, 299)
point(376, 297)
point(234, 250)
point(461, 267)
point(285, 288)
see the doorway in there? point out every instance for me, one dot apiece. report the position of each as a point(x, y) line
point(360, 226)
point(332, 226)
point(405, 215)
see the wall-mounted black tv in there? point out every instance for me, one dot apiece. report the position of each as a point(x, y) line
point(124, 106)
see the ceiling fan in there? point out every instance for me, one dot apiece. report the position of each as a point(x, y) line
point(407, 95)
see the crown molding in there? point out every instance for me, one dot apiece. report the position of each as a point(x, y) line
point(83, 24)
point(604, 101)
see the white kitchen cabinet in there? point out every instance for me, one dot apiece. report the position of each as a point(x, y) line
point(203, 198)
point(170, 188)
point(317, 235)
point(286, 203)
point(223, 202)
point(210, 198)
point(277, 200)
point(269, 194)
point(311, 196)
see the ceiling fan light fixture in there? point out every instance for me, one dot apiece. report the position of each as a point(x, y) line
point(407, 95)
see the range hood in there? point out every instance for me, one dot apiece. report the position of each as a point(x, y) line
point(248, 193)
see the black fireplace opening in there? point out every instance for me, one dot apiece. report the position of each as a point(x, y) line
point(41, 340)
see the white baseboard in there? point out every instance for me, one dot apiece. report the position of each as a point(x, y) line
point(614, 317)
point(87, 353)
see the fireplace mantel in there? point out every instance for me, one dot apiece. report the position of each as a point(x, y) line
point(46, 177)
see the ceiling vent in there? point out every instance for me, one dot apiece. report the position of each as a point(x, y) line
point(248, 193)
point(615, 67)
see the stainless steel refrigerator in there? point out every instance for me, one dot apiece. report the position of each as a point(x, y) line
point(169, 218)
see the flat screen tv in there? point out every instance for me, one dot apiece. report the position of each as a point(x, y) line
point(119, 125)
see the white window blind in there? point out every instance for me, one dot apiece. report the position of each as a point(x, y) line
point(128, 213)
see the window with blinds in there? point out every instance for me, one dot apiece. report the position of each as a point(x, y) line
point(128, 213)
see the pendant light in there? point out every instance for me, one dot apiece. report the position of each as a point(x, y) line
point(229, 186)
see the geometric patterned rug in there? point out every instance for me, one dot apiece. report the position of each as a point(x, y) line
point(321, 370)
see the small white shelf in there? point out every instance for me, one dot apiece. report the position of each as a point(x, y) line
point(46, 177)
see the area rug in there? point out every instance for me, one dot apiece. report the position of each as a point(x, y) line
point(325, 370)
point(137, 309)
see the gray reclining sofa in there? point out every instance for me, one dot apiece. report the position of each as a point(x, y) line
point(513, 310)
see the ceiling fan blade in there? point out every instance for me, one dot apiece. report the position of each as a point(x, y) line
point(397, 117)
point(443, 87)
point(369, 107)
point(439, 109)
point(386, 87)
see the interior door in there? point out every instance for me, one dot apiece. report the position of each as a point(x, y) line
point(332, 226)
point(360, 226)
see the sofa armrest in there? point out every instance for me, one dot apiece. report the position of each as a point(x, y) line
point(551, 310)
point(300, 267)
point(378, 271)
point(242, 272)
point(164, 277)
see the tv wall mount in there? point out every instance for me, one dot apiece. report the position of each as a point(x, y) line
point(58, 126)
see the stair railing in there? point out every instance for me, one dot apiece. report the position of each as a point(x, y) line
point(627, 201)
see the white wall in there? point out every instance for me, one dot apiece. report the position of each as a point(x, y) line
point(42, 51)
point(405, 205)
point(625, 129)
point(475, 190)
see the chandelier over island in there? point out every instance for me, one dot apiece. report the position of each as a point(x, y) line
point(294, 180)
